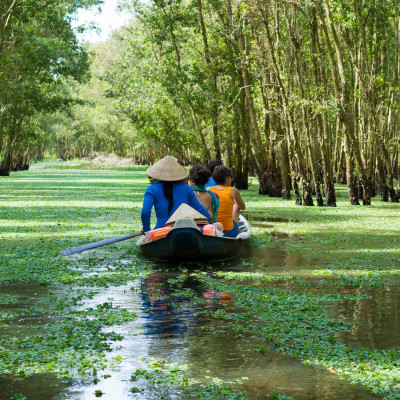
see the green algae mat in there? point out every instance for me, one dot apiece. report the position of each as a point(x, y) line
point(314, 295)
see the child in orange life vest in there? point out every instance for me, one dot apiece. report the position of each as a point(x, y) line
point(230, 200)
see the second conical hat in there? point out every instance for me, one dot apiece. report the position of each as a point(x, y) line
point(167, 169)
point(185, 211)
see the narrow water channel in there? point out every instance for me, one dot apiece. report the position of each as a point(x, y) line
point(185, 335)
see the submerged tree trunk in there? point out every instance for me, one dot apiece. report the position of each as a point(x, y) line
point(350, 178)
point(6, 165)
point(270, 180)
point(389, 174)
point(283, 162)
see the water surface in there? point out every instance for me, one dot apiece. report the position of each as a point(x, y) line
point(178, 331)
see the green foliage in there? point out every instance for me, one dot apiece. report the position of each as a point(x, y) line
point(38, 50)
point(282, 298)
point(163, 374)
point(71, 341)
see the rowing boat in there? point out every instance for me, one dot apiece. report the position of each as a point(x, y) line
point(186, 242)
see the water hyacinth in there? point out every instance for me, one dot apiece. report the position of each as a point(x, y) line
point(305, 285)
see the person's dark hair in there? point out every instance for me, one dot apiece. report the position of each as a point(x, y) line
point(220, 173)
point(199, 175)
point(212, 164)
point(168, 193)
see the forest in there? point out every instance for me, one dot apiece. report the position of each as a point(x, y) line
point(300, 94)
point(301, 98)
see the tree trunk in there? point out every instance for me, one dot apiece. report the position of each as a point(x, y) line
point(6, 165)
point(350, 178)
point(342, 98)
point(26, 159)
point(283, 162)
point(321, 129)
point(291, 133)
point(214, 116)
point(270, 180)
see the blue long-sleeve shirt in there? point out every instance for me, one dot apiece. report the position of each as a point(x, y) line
point(154, 197)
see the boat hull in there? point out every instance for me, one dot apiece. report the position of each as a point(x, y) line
point(191, 244)
point(186, 242)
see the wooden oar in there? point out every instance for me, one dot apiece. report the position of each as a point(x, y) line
point(89, 246)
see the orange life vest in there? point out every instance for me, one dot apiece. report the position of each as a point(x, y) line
point(159, 233)
point(226, 203)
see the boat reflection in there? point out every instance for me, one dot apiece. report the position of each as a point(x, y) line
point(169, 314)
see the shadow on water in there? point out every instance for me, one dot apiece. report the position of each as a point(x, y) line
point(276, 260)
point(262, 226)
point(254, 217)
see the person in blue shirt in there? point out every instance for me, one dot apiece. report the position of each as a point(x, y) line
point(167, 192)
point(210, 166)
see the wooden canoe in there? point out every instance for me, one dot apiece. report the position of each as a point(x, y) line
point(186, 242)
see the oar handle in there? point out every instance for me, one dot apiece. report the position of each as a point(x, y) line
point(89, 246)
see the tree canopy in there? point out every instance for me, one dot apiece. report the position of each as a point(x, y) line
point(38, 52)
point(301, 94)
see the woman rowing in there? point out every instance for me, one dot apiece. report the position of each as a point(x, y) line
point(167, 192)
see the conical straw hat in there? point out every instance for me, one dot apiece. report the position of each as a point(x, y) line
point(185, 211)
point(167, 169)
